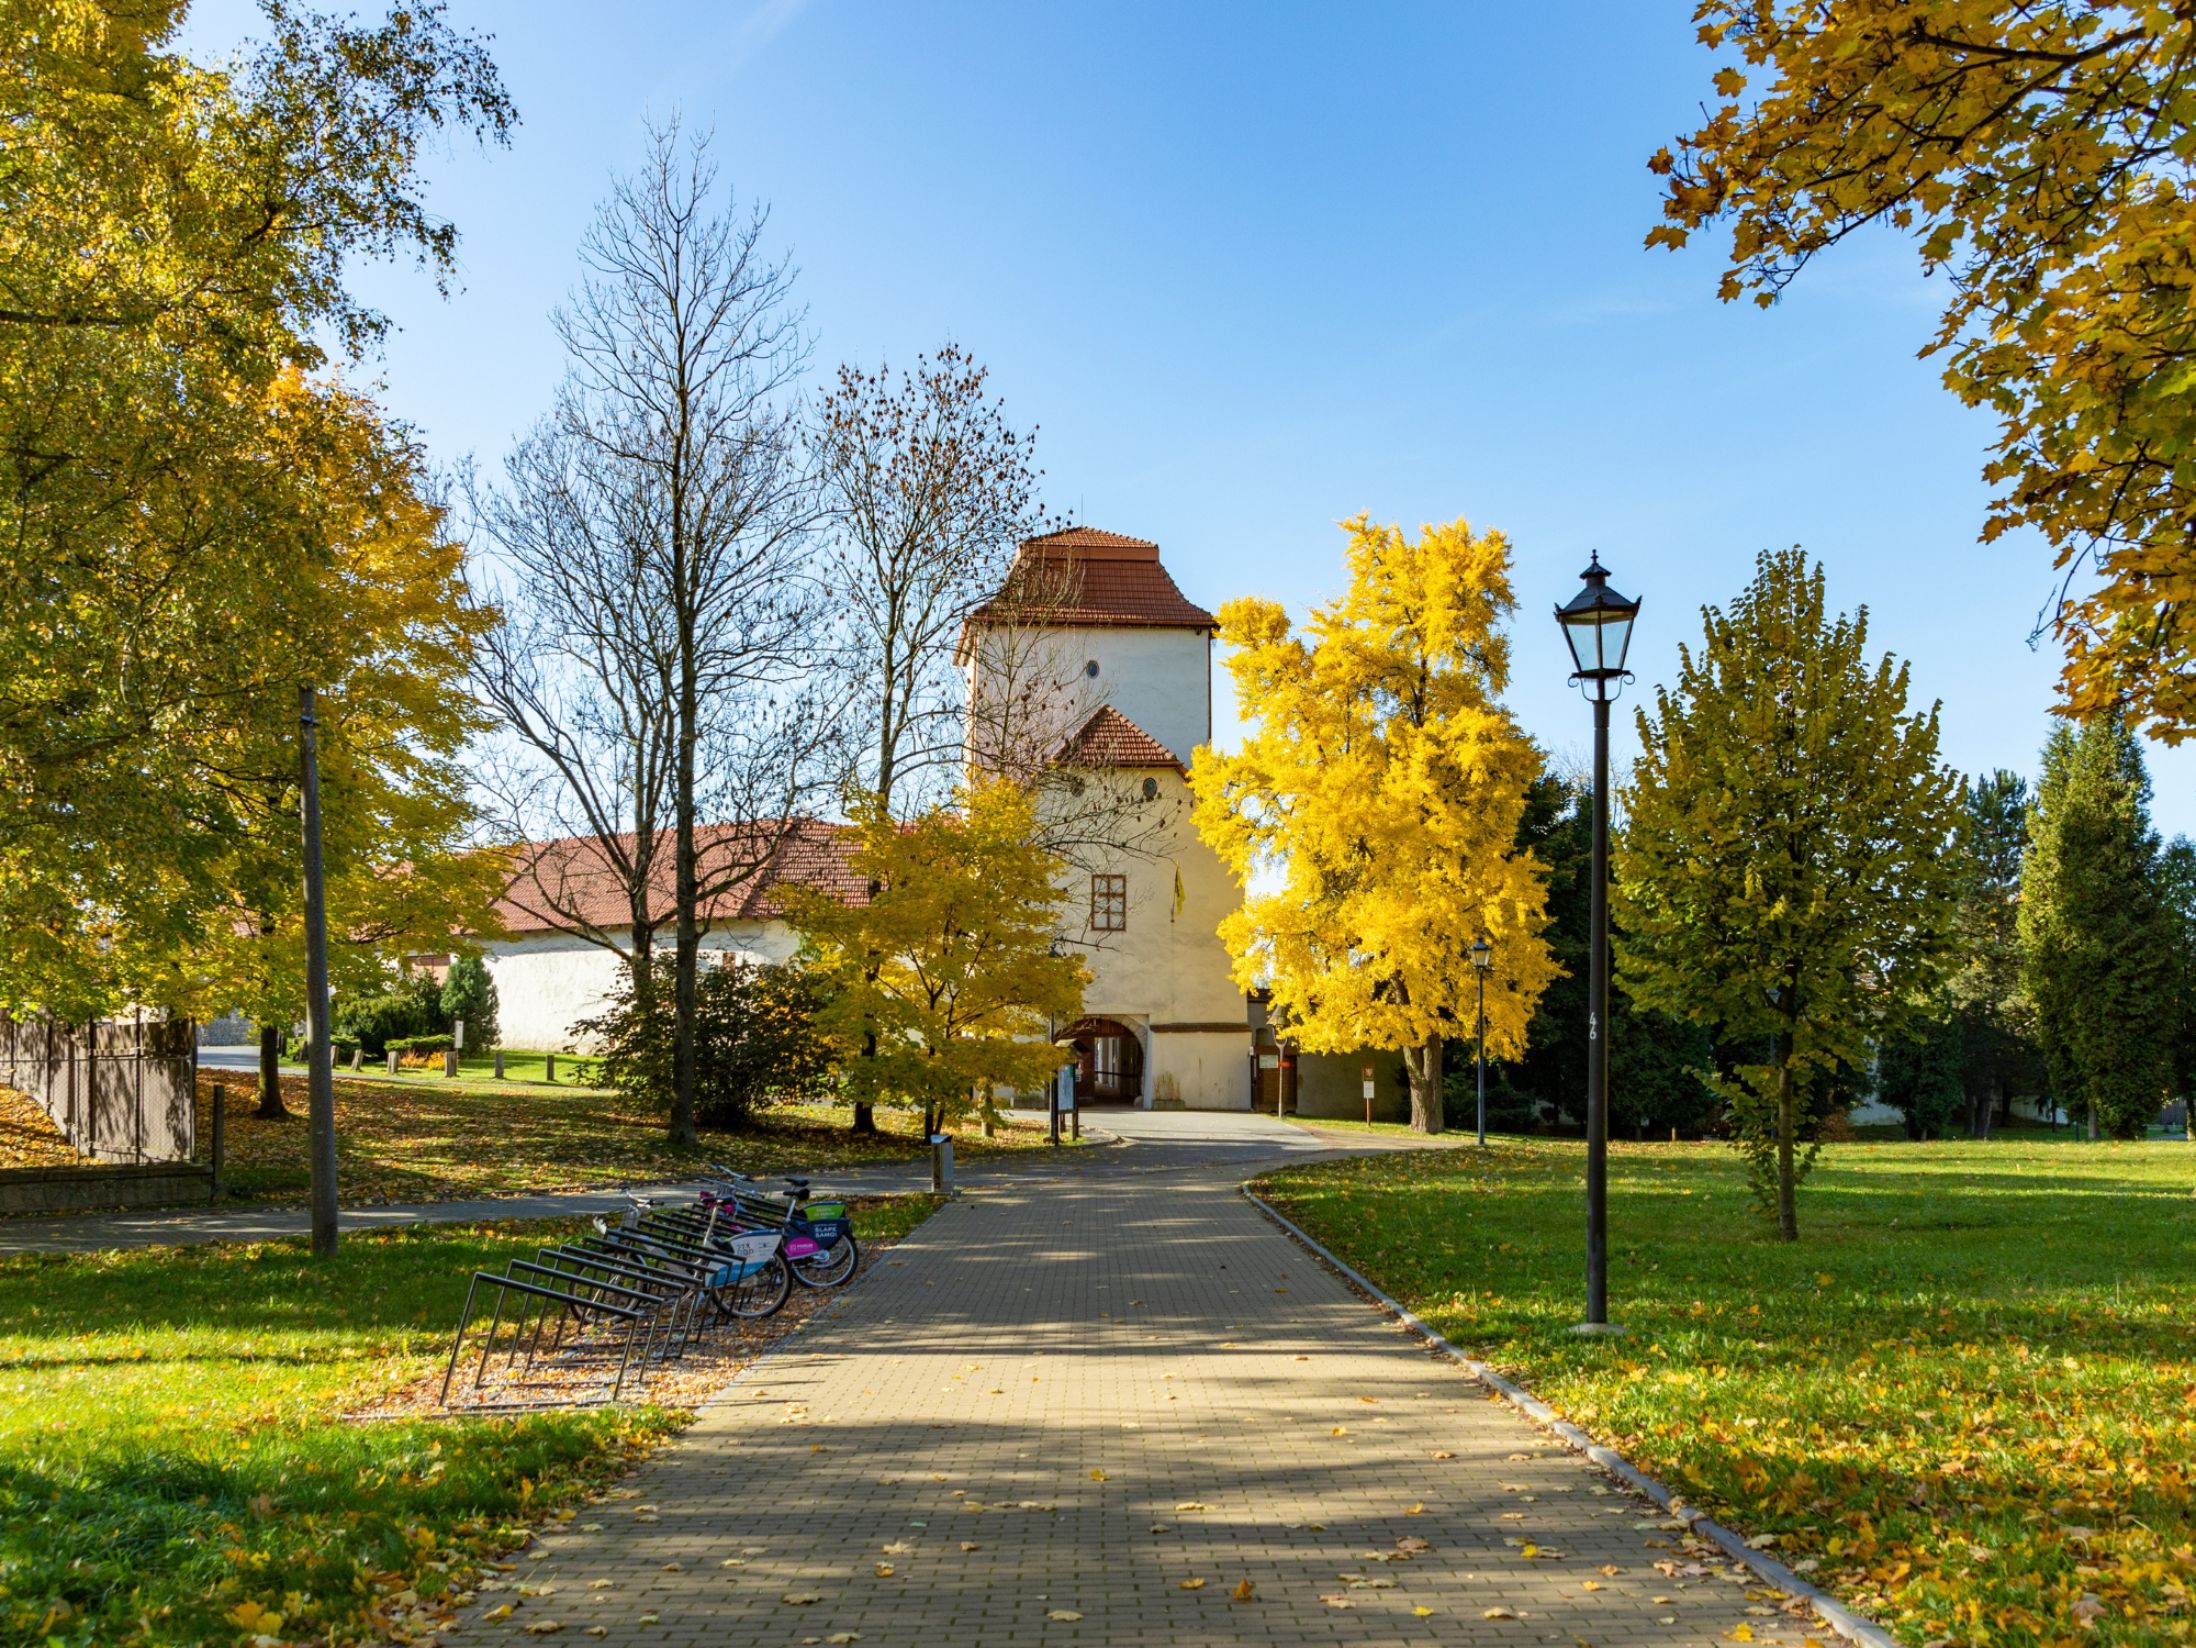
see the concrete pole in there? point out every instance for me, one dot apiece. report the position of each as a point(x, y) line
point(319, 1055)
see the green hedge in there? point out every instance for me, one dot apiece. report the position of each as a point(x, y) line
point(418, 1044)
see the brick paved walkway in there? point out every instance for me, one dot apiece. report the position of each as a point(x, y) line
point(1062, 1400)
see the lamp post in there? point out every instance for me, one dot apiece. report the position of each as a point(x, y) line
point(1482, 959)
point(1052, 1082)
point(1597, 625)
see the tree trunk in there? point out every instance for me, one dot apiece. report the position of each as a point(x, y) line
point(1424, 1067)
point(990, 1111)
point(270, 1074)
point(685, 975)
point(1788, 1228)
point(1980, 1108)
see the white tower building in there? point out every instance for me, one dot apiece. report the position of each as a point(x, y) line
point(1107, 669)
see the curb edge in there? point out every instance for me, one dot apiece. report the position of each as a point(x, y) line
point(1833, 1613)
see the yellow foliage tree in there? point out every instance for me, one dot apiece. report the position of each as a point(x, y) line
point(174, 245)
point(1379, 800)
point(943, 980)
point(384, 632)
point(2039, 156)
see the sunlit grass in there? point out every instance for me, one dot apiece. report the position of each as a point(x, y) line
point(432, 1139)
point(1968, 1393)
point(172, 1447)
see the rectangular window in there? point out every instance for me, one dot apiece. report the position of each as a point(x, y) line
point(1109, 903)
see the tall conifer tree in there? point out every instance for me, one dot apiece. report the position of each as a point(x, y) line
point(2096, 934)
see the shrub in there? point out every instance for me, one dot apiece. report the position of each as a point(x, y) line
point(411, 1006)
point(401, 1045)
point(469, 993)
point(294, 1053)
point(755, 1041)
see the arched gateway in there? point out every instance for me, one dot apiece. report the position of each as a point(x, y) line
point(1109, 1061)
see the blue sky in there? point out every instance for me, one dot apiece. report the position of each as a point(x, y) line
point(1256, 267)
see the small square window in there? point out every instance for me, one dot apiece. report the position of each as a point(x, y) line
point(1109, 903)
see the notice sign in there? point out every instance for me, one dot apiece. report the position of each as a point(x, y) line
point(1269, 1061)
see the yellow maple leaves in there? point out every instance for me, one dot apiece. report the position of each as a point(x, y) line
point(1372, 814)
point(2029, 153)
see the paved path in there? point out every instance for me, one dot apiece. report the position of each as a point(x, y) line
point(1156, 1140)
point(1064, 1397)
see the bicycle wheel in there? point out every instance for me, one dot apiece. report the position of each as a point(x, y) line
point(833, 1267)
point(761, 1292)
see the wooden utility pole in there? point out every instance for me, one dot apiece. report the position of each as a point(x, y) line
point(319, 1054)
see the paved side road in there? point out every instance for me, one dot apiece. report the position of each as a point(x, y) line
point(1086, 1410)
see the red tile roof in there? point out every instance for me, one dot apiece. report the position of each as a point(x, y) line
point(1082, 577)
point(571, 879)
point(1111, 739)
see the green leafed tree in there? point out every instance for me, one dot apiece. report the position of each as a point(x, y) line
point(1919, 1074)
point(2177, 882)
point(2097, 935)
point(1997, 1046)
point(182, 491)
point(1783, 874)
point(2037, 154)
point(1655, 1062)
point(469, 996)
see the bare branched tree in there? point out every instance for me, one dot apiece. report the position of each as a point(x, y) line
point(929, 489)
point(658, 664)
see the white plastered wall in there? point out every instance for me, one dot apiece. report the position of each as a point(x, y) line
point(1167, 975)
point(548, 982)
point(1161, 679)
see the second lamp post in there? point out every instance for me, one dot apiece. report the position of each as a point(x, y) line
point(1597, 623)
point(1482, 959)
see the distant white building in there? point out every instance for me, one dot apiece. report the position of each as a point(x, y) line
point(549, 977)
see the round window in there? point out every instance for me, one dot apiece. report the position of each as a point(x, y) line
point(1151, 789)
point(1091, 669)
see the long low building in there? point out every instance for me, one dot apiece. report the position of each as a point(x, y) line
point(569, 919)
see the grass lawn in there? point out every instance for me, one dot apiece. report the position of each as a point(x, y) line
point(173, 1456)
point(518, 1067)
point(427, 1138)
point(1965, 1400)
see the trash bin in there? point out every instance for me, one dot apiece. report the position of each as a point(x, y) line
point(941, 1163)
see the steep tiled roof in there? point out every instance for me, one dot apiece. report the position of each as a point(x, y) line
point(571, 879)
point(1111, 739)
point(1081, 576)
point(1088, 537)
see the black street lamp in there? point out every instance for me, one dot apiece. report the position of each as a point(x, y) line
point(1482, 959)
point(1597, 624)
